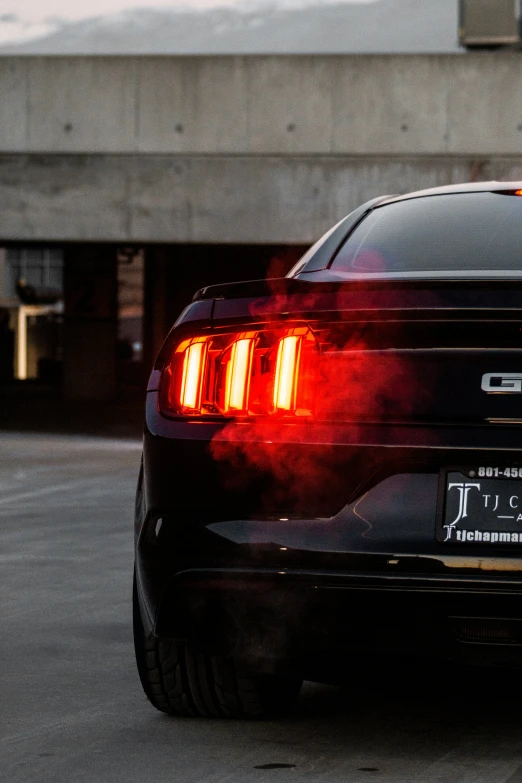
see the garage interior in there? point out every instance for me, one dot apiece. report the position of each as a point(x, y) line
point(86, 320)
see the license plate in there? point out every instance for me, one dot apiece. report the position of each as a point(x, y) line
point(481, 505)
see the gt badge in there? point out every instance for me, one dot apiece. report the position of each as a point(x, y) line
point(502, 382)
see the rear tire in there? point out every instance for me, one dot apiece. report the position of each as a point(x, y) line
point(180, 680)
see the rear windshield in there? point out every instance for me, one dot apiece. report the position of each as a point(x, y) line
point(457, 235)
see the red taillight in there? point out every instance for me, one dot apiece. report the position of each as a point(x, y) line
point(192, 376)
point(286, 374)
point(247, 374)
point(237, 380)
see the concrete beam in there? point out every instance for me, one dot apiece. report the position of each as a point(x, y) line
point(14, 113)
point(221, 199)
point(81, 104)
point(274, 105)
point(485, 105)
point(393, 106)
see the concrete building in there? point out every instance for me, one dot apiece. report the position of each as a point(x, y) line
point(216, 168)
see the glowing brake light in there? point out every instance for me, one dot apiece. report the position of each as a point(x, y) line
point(259, 372)
point(518, 192)
point(238, 375)
point(193, 365)
point(287, 366)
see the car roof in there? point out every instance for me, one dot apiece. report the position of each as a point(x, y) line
point(466, 187)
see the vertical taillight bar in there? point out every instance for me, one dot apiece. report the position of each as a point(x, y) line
point(286, 375)
point(238, 375)
point(192, 377)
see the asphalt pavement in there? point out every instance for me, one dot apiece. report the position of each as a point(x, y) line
point(71, 706)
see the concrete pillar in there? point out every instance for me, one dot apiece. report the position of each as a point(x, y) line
point(91, 323)
point(155, 319)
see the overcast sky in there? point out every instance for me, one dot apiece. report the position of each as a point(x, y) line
point(25, 19)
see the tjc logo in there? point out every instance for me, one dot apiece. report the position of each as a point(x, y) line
point(502, 382)
point(463, 489)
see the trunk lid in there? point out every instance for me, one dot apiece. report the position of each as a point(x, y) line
point(410, 351)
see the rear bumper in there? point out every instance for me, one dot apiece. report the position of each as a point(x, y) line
point(271, 617)
point(319, 539)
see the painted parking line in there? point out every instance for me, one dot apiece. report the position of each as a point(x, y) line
point(43, 491)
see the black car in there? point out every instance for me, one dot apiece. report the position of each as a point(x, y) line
point(332, 464)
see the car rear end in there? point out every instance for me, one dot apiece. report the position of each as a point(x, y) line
point(334, 468)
